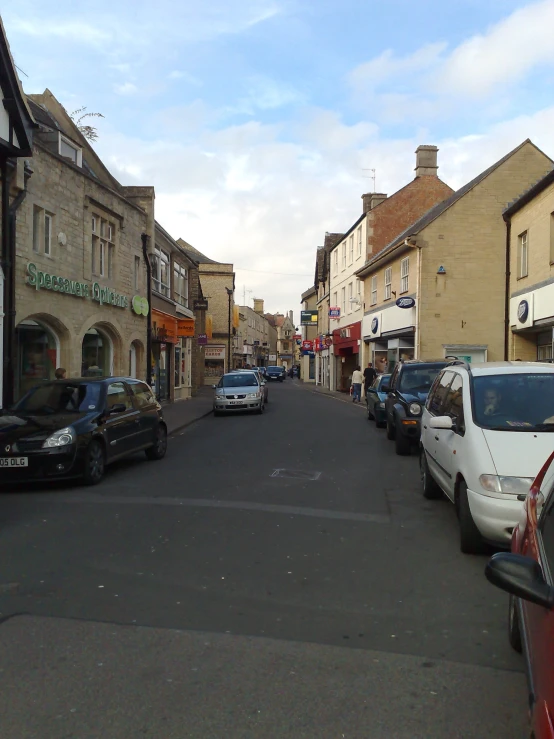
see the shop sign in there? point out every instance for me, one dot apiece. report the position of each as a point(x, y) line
point(200, 305)
point(523, 311)
point(405, 302)
point(140, 306)
point(308, 317)
point(202, 339)
point(272, 357)
point(45, 281)
point(307, 345)
point(375, 325)
point(318, 344)
point(328, 342)
point(214, 352)
point(334, 312)
point(297, 337)
point(185, 328)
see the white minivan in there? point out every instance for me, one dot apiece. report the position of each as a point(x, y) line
point(486, 430)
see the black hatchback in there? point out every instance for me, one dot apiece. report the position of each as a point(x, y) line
point(276, 373)
point(74, 428)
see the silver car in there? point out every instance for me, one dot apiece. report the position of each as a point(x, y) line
point(238, 391)
point(261, 378)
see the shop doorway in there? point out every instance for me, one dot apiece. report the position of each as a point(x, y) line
point(97, 354)
point(38, 355)
point(161, 355)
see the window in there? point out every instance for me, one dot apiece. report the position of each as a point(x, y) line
point(350, 296)
point(336, 260)
point(438, 393)
point(343, 301)
point(117, 395)
point(335, 299)
point(142, 394)
point(344, 255)
point(71, 151)
point(136, 274)
point(160, 271)
point(42, 231)
point(374, 290)
point(47, 233)
point(103, 247)
point(359, 291)
point(351, 249)
point(388, 283)
point(552, 238)
point(359, 236)
point(522, 254)
point(544, 346)
point(453, 405)
point(404, 274)
point(181, 284)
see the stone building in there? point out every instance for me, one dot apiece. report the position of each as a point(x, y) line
point(310, 333)
point(256, 338)
point(322, 285)
point(439, 287)
point(80, 276)
point(284, 327)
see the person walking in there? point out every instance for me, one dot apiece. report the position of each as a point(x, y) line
point(370, 373)
point(357, 379)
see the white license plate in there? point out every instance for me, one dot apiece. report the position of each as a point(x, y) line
point(14, 461)
point(236, 402)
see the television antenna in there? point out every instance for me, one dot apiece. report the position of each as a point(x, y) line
point(244, 292)
point(371, 176)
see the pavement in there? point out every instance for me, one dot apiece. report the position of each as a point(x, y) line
point(275, 576)
point(182, 413)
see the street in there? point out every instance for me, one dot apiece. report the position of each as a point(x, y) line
point(275, 576)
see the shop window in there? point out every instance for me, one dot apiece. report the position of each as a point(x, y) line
point(523, 254)
point(181, 284)
point(96, 354)
point(179, 379)
point(544, 346)
point(42, 231)
point(37, 355)
point(103, 247)
point(404, 275)
point(161, 271)
point(388, 283)
point(374, 290)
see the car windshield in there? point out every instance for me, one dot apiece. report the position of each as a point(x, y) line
point(273, 369)
point(245, 379)
point(418, 379)
point(60, 397)
point(516, 402)
point(382, 380)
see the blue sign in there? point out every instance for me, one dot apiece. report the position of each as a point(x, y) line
point(374, 325)
point(334, 312)
point(405, 302)
point(523, 311)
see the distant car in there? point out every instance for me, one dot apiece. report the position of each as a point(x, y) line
point(375, 401)
point(407, 392)
point(74, 428)
point(276, 373)
point(527, 574)
point(262, 380)
point(238, 391)
point(261, 370)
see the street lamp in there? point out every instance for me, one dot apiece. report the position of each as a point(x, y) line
point(229, 295)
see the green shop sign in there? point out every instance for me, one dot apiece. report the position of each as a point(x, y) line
point(140, 306)
point(103, 295)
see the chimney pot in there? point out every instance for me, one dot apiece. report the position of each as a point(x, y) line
point(371, 199)
point(426, 161)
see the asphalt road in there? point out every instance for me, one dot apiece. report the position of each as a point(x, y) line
point(275, 576)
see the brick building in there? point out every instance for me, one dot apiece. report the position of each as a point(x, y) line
point(439, 287)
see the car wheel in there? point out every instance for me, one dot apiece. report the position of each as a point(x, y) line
point(431, 490)
point(95, 463)
point(159, 448)
point(370, 415)
point(402, 445)
point(260, 409)
point(379, 424)
point(514, 632)
point(471, 541)
point(391, 431)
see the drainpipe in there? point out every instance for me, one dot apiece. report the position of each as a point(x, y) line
point(144, 238)
point(417, 336)
point(507, 291)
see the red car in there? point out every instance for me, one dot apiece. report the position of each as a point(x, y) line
point(527, 574)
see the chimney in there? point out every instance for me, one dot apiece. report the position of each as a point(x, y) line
point(426, 161)
point(258, 306)
point(291, 316)
point(372, 199)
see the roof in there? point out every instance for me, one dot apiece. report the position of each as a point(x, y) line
point(194, 254)
point(15, 100)
point(42, 116)
point(179, 246)
point(528, 195)
point(508, 368)
point(308, 293)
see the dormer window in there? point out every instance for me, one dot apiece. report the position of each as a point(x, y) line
point(70, 150)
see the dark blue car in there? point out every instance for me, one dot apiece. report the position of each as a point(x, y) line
point(375, 400)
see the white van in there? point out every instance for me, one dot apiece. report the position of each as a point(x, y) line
point(486, 430)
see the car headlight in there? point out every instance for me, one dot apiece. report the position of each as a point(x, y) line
point(381, 405)
point(253, 395)
point(219, 393)
point(415, 409)
point(510, 485)
point(63, 437)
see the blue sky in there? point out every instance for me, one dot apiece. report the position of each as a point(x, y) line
point(255, 119)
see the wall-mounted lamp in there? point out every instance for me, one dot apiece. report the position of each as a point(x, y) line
point(441, 270)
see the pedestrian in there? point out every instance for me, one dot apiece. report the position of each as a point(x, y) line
point(357, 379)
point(60, 373)
point(369, 376)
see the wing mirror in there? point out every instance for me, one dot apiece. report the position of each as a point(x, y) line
point(441, 422)
point(521, 576)
point(117, 408)
point(214, 387)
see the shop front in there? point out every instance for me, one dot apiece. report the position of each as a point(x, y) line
point(389, 335)
point(346, 352)
point(532, 325)
point(214, 363)
point(171, 355)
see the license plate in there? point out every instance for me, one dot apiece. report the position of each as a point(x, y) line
point(235, 402)
point(14, 461)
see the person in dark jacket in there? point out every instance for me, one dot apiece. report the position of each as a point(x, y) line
point(369, 376)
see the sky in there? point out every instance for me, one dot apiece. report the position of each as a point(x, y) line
point(259, 122)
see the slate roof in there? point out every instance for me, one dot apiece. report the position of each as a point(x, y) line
point(528, 195)
point(194, 254)
point(42, 116)
point(437, 210)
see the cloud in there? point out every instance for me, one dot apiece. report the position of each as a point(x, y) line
point(76, 31)
point(125, 88)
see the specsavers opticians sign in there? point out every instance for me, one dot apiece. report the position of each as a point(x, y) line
point(93, 291)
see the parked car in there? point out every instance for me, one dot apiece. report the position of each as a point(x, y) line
point(407, 392)
point(375, 400)
point(238, 391)
point(262, 371)
point(527, 575)
point(261, 379)
point(74, 428)
point(487, 428)
point(276, 373)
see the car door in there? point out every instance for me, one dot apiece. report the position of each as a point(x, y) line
point(391, 395)
point(450, 444)
point(147, 406)
point(538, 622)
point(429, 436)
point(122, 421)
point(372, 397)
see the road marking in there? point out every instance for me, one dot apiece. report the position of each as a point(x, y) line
point(296, 474)
point(204, 503)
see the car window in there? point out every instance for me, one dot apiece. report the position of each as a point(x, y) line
point(55, 397)
point(514, 402)
point(245, 379)
point(436, 398)
point(143, 394)
point(453, 404)
point(117, 394)
point(415, 379)
point(394, 376)
point(381, 380)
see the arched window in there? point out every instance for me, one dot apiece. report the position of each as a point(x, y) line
point(38, 351)
point(97, 354)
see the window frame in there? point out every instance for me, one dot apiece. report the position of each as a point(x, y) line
point(343, 300)
point(404, 275)
point(351, 249)
point(78, 161)
point(336, 261)
point(182, 298)
point(523, 254)
point(343, 255)
point(388, 283)
point(158, 258)
point(350, 296)
point(373, 290)
point(359, 235)
point(103, 247)
point(136, 273)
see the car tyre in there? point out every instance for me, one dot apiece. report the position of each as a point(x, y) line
point(391, 431)
point(471, 541)
point(95, 463)
point(514, 631)
point(370, 415)
point(431, 490)
point(159, 448)
point(402, 445)
point(260, 409)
